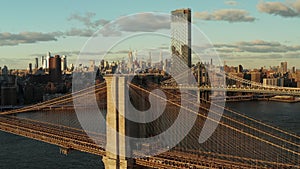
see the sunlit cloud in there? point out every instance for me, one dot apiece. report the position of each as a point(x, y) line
point(284, 9)
point(256, 46)
point(229, 15)
point(11, 39)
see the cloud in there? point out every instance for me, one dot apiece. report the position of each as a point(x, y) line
point(256, 46)
point(87, 20)
point(258, 43)
point(257, 60)
point(230, 15)
point(229, 50)
point(119, 52)
point(79, 32)
point(90, 24)
point(252, 56)
point(110, 30)
point(261, 46)
point(284, 9)
point(231, 2)
point(145, 22)
point(11, 39)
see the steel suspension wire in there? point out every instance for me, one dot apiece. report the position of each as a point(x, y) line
point(61, 99)
point(249, 118)
point(242, 124)
point(221, 123)
point(232, 128)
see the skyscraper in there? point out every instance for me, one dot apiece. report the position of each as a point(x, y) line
point(130, 61)
point(283, 67)
point(240, 69)
point(46, 61)
point(161, 61)
point(36, 65)
point(55, 68)
point(30, 68)
point(149, 64)
point(135, 55)
point(92, 67)
point(181, 35)
point(64, 65)
point(42, 61)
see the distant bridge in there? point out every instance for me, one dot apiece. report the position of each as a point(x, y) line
point(265, 90)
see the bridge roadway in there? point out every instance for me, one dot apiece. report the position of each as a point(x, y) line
point(180, 159)
point(77, 139)
point(266, 90)
point(62, 136)
point(69, 138)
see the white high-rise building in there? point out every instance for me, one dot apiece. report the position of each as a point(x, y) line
point(46, 61)
point(130, 62)
point(64, 63)
point(93, 66)
point(135, 55)
point(160, 57)
point(161, 60)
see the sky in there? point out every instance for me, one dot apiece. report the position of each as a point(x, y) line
point(251, 33)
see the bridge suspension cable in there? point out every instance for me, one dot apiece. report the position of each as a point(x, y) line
point(238, 122)
point(246, 117)
point(221, 123)
point(268, 153)
point(63, 99)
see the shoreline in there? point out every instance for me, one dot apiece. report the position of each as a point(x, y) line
point(284, 100)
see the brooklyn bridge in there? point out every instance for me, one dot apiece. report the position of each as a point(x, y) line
point(238, 141)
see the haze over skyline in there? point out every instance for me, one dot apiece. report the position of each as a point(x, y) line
point(251, 33)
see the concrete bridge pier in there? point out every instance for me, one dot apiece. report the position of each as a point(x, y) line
point(116, 145)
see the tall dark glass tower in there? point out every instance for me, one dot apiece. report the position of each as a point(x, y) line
point(55, 68)
point(181, 35)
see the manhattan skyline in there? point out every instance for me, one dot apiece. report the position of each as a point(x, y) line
point(254, 34)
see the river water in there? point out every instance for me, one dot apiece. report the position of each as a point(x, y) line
point(19, 152)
